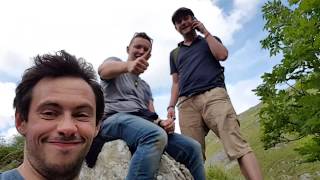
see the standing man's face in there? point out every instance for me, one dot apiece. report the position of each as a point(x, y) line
point(184, 25)
point(138, 47)
point(60, 128)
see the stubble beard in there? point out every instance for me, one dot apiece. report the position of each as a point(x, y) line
point(54, 171)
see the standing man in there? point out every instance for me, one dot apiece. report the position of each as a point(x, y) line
point(130, 116)
point(59, 105)
point(198, 87)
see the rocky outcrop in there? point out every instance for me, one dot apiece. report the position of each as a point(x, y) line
point(113, 163)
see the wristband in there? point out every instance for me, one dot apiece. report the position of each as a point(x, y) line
point(206, 35)
point(170, 107)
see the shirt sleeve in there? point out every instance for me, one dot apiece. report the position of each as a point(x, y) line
point(218, 39)
point(173, 66)
point(148, 93)
point(112, 59)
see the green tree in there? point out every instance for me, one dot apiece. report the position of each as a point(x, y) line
point(11, 154)
point(291, 92)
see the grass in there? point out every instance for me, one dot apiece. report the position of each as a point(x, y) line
point(281, 162)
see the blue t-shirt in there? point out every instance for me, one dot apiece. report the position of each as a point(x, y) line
point(197, 68)
point(12, 174)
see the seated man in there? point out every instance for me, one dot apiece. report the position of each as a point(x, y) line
point(130, 116)
point(59, 105)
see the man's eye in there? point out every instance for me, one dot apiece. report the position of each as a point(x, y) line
point(83, 114)
point(48, 114)
point(138, 47)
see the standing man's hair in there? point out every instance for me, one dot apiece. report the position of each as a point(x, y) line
point(180, 13)
point(60, 64)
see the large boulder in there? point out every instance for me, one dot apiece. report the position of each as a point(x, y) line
point(113, 163)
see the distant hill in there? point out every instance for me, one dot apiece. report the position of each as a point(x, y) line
point(280, 162)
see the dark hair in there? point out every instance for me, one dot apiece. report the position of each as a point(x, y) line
point(58, 65)
point(180, 13)
point(141, 35)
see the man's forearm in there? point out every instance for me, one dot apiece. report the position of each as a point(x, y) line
point(112, 69)
point(174, 95)
point(217, 49)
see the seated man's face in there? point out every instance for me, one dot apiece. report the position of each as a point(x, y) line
point(138, 47)
point(60, 127)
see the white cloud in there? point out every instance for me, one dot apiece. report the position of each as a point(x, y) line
point(9, 133)
point(248, 57)
point(6, 109)
point(12, 63)
point(6, 95)
point(98, 29)
point(241, 94)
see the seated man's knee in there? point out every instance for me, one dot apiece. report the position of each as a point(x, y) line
point(158, 136)
point(195, 147)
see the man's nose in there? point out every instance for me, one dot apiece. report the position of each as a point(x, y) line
point(67, 126)
point(142, 51)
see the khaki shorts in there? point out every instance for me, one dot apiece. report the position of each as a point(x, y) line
point(212, 110)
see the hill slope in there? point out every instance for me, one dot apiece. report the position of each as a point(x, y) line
point(280, 162)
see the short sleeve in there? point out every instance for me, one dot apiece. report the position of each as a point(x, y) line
point(173, 66)
point(218, 39)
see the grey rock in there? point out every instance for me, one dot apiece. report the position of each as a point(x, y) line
point(305, 176)
point(113, 163)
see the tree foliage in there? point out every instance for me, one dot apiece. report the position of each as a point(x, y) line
point(291, 92)
point(11, 154)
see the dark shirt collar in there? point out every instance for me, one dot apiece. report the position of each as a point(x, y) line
point(198, 38)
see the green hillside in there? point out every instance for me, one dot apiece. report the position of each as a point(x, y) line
point(280, 162)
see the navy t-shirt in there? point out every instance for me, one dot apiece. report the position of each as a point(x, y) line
point(197, 68)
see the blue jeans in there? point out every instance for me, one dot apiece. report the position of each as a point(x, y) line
point(148, 142)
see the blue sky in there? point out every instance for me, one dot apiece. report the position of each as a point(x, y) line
point(98, 29)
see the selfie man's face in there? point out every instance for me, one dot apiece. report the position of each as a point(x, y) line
point(184, 24)
point(138, 47)
point(61, 125)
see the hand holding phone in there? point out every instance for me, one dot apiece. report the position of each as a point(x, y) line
point(197, 25)
point(194, 24)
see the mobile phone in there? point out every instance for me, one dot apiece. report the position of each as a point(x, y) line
point(195, 19)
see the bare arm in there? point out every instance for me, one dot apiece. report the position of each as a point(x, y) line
point(110, 69)
point(174, 95)
point(217, 49)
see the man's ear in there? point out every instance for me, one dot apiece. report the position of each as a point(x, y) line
point(128, 49)
point(21, 124)
point(97, 129)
